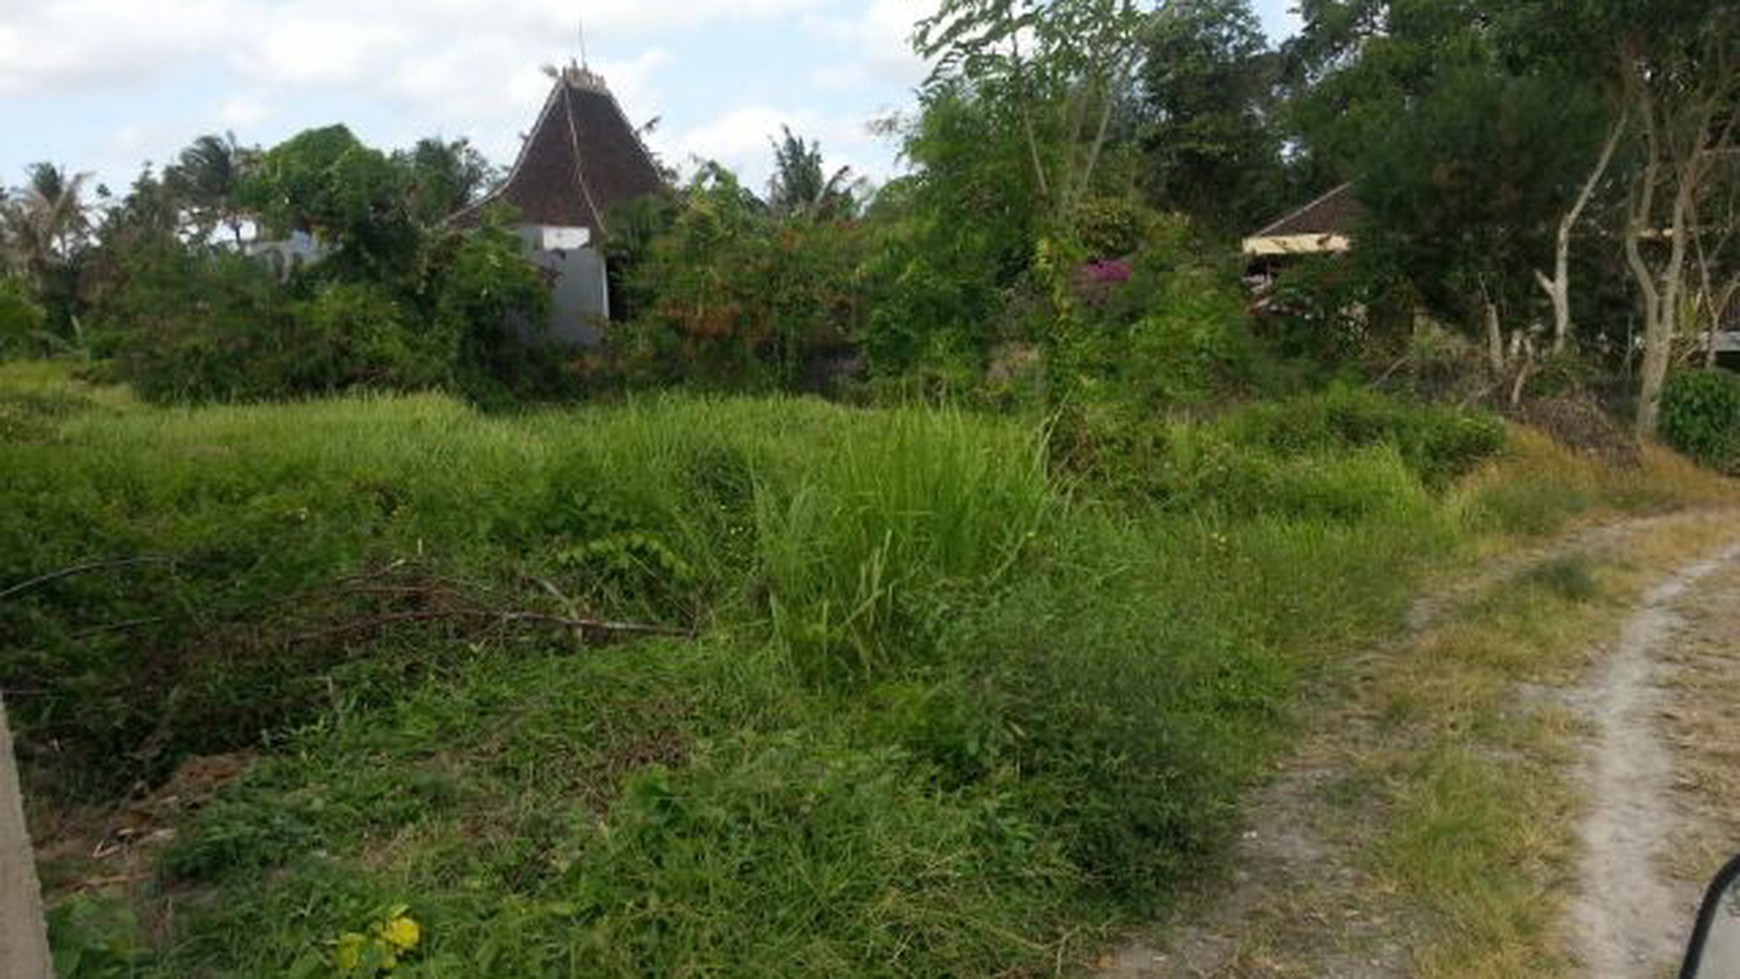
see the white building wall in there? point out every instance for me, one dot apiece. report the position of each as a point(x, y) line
point(581, 306)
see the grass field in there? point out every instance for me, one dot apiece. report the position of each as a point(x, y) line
point(901, 696)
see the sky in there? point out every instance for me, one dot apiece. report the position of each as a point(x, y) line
point(108, 85)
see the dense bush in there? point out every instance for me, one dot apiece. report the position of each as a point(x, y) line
point(21, 320)
point(191, 324)
point(1437, 443)
point(1700, 416)
point(186, 325)
point(354, 335)
point(1342, 454)
point(735, 295)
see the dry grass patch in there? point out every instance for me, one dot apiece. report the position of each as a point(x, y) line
point(1702, 678)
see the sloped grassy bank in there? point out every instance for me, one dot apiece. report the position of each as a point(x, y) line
point(934, 708)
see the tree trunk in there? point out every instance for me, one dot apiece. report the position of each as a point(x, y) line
point(1558, 288)
point(1494, 340)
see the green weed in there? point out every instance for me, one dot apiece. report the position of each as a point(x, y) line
point(944, 713)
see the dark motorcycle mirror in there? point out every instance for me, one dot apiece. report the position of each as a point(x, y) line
point(1715, 948)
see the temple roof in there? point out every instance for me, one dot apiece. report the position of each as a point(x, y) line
point(582, 158)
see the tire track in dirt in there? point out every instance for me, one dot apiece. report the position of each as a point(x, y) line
point(1299, 901)
point(1629, 918)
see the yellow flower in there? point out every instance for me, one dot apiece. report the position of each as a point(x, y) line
point(350, 951)
point(401, 932)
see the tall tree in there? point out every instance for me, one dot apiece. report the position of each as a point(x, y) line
point(1466, 190)
point(801, 185)
point(1356, 63)
point(48, 223)
point(1061, 65)
point(1208, 83)
point(47, 219)
point(443, 177)
point(207, 177)
point(1682, 80)
point(1062, 69)
point(327, 183)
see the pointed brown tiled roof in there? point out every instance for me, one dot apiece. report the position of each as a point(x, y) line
point(1335, 213)
point(582, 159)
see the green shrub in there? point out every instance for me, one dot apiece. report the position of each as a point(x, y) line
point(96, 938)
point(352, 335)
point(1531, 508)
point(1438, 444)
point(21, 320)
point(1569, 576)
point(1700, 416)
point(486, 297)
point(938, 714)
point(190, 326)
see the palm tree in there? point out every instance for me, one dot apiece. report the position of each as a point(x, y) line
point(801, 186)
point(207, 176)
point(46, 220)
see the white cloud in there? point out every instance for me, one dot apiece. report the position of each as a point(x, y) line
point(74, 44)
point(742, 140)
point(882, 34)
point(244, 111)
point(400, 70)
point(300, 50)
point(66, 46)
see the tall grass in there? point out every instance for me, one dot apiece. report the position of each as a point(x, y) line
point(864, 555)
point(941, 715)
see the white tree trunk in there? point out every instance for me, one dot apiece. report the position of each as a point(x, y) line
point(1558, 288)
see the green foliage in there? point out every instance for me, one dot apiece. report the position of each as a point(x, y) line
point(932, 695)
point(219, 326)
point(1342, 457)
point(393, 309)
point(354, 335)
point(1700, 416)
point(740, 297)
point(800, 186)
point(195, 325)
point(952, 240)
point(481, 290)
point(1367, 60)
point(21, 320)
point(1466, 188)
point(865, 868)
point(327, 183)
point(1176, 335)
point(1438, 444)
point(864, 557)
point(1570, 577)
point(1529, 508)
point(96, 938)
point(442, 177)
point(207, 180)
point(1208, 91)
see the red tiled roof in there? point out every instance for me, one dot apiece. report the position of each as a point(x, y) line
point(582, 159)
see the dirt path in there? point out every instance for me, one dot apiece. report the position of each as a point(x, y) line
point(1587, 705)
point(1630, 918)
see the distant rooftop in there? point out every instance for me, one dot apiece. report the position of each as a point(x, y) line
point(1327, 224)
point(582, 158)
point(1337, 212)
